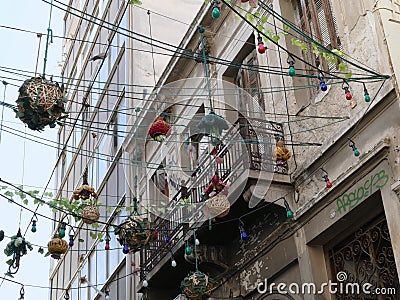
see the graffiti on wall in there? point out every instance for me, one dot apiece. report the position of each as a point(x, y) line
point(351, 199)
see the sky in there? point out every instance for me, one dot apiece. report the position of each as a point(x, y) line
point(19, 50)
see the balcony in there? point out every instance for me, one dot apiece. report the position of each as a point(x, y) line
point(242, 162)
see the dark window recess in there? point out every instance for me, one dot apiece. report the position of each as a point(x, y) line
point(366, 257)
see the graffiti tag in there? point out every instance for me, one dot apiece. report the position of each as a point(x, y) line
point(350, 200)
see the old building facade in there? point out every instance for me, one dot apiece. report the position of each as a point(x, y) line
point(348, 229)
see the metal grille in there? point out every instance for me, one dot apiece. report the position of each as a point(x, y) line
point(367, 258)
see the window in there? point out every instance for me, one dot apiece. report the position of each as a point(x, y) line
point(317, 20)
point(249, 79)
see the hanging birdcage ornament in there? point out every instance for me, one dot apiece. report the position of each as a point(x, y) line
point(17, 247)
point(197, 286)
point(90, 213)
point(40, 103)
point(281, 155)
point(135, 232)
point(159, 129)
point(57, 247)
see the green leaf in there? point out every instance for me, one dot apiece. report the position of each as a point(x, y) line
point(9, 194)
point(81, 240)
point(257, 14)
point(25, 201)
point(276, 38)
point(10, 262)
point(47, 254)
point(260, 27)
point(338, 52)
point(342, 67)
point(8, 274)
point(349, 75)
point(264, 19)
point(41, 250)
point(250, 17)
point(109, 209)
point(137, 2)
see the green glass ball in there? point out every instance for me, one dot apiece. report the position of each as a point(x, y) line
point(356, 152)
point(289, 214)
point(61, 233)
point(188, 250)
point(292, 71)
point(367, 98)
point(216, 13)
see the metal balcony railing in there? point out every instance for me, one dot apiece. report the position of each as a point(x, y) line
point(248, 144)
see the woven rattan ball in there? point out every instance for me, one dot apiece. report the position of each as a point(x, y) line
point(57, 247)
point(90, 214)
point(218, 206)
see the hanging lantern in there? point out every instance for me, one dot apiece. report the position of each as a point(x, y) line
point(213, 124)
point(40, 103)
point(282, 155)
point(197, 285)
point(134, 232)
point(57, 247)
point(159, 130)
point(218, 206)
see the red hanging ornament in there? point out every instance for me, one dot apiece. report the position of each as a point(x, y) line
point(159, 130)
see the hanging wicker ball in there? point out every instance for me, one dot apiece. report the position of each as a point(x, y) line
point(135, 232)
point(90, 214)
point(197, 286)
point(85, 192)
point(40, 103)
point(57, 247)
point(159, 130)
point(218, 205)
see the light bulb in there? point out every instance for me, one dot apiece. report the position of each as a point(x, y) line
point(71, 240)
point(197, 242)
point(107, 246)
point(289, 214)
point(216, 13)
point(61, 233)
point(188, 250)
point(367, 97)
point(261, 48)
point(173, 263)
point(323, 86)
point(328, 184)
point(167, 239)
point(244, 236)
point(292, 71)
point(125, 250)
point(356, 152)
point(145, 283)
point(349, 96)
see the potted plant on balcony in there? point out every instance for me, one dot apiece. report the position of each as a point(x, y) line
point(197, 285)
point(40, 103)
point(159, 129)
